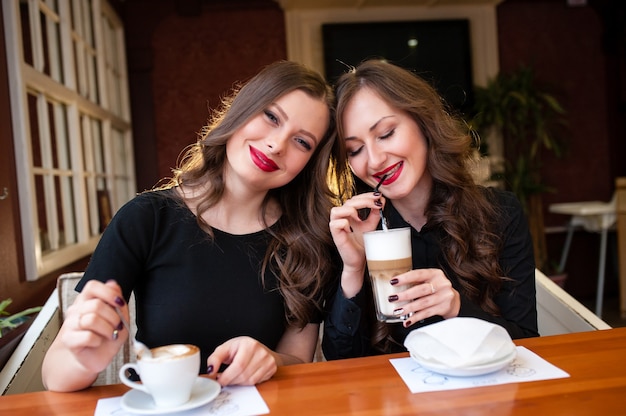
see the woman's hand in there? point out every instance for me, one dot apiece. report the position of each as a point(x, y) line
point(249, 362)
point(430, 294)
point(347, 229)
point(92, 328)
point(91, 334)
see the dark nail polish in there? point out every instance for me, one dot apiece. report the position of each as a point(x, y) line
point(377, 193)
point(393, 281)
point(407, 324)
point(209, 369)
point(393, 298)
point(120, 326)
point(119, 301)
point(378, 203)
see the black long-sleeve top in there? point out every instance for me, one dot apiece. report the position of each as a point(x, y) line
point(347, 327)
point(189, 288)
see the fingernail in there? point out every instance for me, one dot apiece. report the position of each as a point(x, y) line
point(119, 301)
point(378, 203)
point(393, 298)
point(377, 193)
point(407, 324)
point(209, 369)
point(120, 326)
point(398, 311)
point(393, 281)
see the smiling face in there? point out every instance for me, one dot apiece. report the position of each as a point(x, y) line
point(274, 146)
point(383, 140)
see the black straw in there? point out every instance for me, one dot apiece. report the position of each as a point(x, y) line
point(380, 182)
point(382, 217)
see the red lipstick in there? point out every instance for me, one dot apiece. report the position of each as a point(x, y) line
point(261, 161)
point(390, 174)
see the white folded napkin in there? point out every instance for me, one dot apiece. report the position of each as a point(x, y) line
point(459, 342)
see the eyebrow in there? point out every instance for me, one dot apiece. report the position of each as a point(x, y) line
point(372, 127)
point(286, 117)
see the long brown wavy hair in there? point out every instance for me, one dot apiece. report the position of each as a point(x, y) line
point(457, 204)
point(302, 248)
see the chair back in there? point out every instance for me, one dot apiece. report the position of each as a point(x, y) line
point(559, 313)
point(22, 372)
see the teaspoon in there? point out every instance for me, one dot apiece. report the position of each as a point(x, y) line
point(140, 348)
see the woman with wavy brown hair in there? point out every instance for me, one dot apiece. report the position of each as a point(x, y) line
point(233, 255)
point(472, 251)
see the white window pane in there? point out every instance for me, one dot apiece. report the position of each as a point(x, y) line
point(123, 166)
point(26, 36)
point(61, 138)
point(50, 32)
point(33, 117)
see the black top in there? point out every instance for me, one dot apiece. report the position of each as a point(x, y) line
point(347, 329)
point(188, 288)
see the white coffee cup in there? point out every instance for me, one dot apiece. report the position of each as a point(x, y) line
point(388, 254)
point(168, 376)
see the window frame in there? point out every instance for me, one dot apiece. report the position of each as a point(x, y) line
point(77, 86)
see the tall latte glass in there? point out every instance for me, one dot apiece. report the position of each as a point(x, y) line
point(388, 254)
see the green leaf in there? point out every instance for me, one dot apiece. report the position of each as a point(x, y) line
point(13, 321)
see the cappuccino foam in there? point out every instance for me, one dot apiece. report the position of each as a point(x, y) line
point(169, 352)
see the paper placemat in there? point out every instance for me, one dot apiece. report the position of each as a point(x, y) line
point(527, 366)
point(232, 401)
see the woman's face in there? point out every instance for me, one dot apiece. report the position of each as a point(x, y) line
point(383, 140)
point(274, 146)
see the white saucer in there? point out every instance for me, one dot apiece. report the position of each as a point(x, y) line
point(204, 390)
point(474, 370)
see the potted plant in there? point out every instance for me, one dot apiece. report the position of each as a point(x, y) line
point(529, 120)
point(12, 328)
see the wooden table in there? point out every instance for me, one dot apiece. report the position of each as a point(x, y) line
point(596, 362)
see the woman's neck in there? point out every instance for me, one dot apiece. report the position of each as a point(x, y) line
point(413, 206)
point(234, 213)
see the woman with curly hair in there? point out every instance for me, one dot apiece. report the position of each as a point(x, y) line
point(233, 255)
point(471, 247)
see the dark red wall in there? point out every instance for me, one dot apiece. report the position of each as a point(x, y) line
point(578, 51)
point(564, 46)
point(182, 61)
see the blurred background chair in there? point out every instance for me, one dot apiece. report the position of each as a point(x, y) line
point(593, 216)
